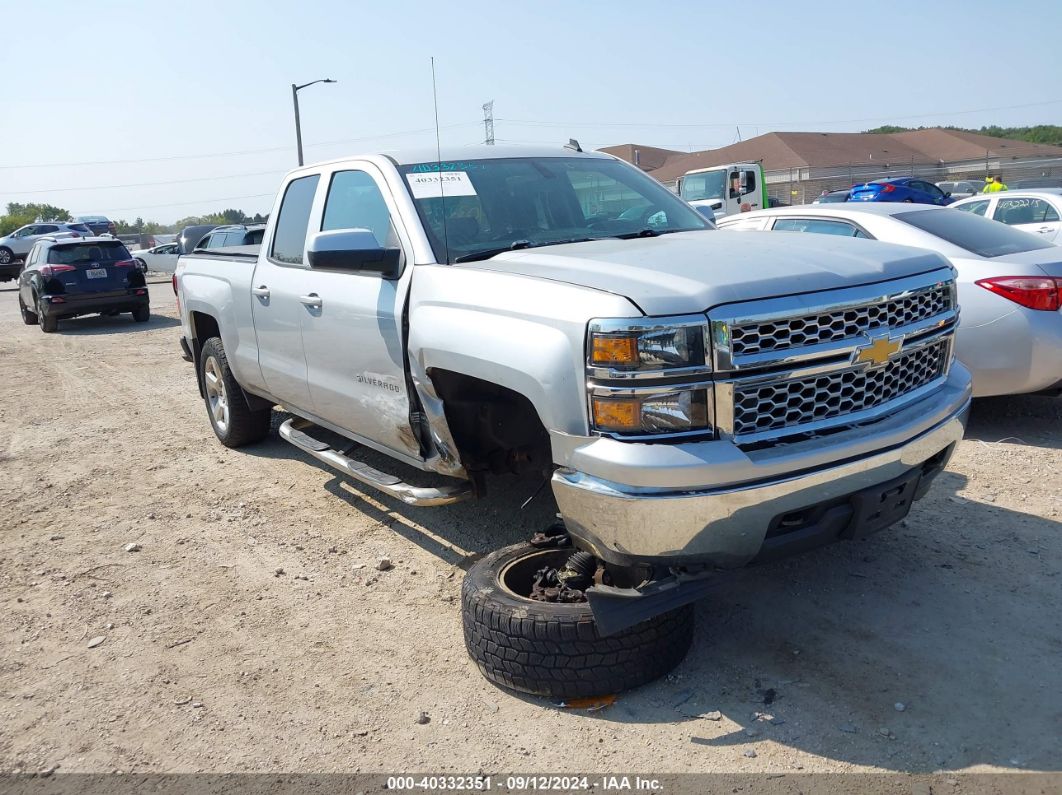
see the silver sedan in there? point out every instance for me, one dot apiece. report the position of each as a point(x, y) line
point(1010, 282)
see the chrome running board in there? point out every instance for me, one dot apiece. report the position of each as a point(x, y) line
point(299, 433)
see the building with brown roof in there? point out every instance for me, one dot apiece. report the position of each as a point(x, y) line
point(800, 165)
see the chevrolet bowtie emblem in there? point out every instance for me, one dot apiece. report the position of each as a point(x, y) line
point(879, 351)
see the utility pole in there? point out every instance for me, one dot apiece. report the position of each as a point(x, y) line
point(295, 100)
point(488, 123)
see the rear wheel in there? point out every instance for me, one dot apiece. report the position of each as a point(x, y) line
point(49, 325)
point(29, 318)
point(234, 423)
point(7, 256)
point(142, 314)
point(554, 649)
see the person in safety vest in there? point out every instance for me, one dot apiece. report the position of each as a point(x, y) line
point(993, 185)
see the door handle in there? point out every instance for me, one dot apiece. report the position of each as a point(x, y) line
point(261, 292)
point(1043, 230)
point(313, 300)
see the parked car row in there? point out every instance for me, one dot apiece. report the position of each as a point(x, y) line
point(1009, 282)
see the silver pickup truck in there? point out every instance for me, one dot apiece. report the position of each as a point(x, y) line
point(697, 401)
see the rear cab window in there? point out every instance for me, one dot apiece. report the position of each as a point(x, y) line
point(979, 236)
point(289, 237)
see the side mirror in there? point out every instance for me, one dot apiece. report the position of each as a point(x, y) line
point(355, 250)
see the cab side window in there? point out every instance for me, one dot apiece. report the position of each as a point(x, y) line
point(355, 202)
point(289, 238)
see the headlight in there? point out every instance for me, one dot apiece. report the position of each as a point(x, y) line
point(651, 411)
point(652, 344)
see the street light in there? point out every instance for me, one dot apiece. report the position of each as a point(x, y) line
point(295, 98)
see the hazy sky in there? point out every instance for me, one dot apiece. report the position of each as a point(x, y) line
point(194, 97)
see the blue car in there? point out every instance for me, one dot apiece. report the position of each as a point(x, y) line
point(900, 189)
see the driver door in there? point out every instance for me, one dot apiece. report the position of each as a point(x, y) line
point(353, 338)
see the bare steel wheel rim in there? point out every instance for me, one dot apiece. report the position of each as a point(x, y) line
point(217, 398)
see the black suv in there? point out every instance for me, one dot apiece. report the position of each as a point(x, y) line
point(67, 277)
point(233, 235)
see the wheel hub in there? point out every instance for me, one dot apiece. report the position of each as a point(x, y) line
point(217, 397)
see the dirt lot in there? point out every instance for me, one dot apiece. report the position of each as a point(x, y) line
point(251, 631)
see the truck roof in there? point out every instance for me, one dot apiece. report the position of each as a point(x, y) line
point(430, 154)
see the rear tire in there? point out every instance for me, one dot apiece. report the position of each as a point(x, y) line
point(142, 314)
point(49, 325)
point(7, 256)
point(29, 318)
point(234, 423)
point(554, 650)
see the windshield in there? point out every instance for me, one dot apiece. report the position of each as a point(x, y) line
point(973, 233)
point(509, 203)
point(84, 253)
point(706, 185)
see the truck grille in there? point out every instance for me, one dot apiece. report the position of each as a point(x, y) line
point(784, 404)
point(840, 324)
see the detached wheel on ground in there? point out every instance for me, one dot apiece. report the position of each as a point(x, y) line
point(554, 649)
point(142, 314)
point(234, 423)
point(28, 317)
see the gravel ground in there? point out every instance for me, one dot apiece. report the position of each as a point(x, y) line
point(251, 631)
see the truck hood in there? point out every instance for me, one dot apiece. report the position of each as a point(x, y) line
point(689, 272)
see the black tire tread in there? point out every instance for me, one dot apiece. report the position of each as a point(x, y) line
point(49, 325)
point(142, 314)
point(245, 426)
point(29, 317)
point(538, 649)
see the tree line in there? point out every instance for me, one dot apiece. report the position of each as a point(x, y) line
point(19, 215)
point(1037, 134)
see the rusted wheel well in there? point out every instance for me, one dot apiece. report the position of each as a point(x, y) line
point(496, 429)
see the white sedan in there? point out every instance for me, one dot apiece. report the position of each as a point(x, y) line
point(1036, 211)
point(1009, 283)
point(161, 259)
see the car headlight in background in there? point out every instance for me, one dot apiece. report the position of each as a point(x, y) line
point(649, 344)
point(647, 411)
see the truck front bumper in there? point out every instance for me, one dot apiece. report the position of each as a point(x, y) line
point(713, 503)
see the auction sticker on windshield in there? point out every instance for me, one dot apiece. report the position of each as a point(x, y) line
point(434, 185)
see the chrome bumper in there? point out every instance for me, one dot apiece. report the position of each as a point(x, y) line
point(713, 503)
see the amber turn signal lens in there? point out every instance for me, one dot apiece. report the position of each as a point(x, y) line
point(614, 349)
point(617, 414)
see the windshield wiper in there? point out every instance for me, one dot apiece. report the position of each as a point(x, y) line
point(647, 232)
point(517, 245)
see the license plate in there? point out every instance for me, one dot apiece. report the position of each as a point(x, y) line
point(96, 273)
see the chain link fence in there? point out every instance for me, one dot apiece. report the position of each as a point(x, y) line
point(801, 185)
